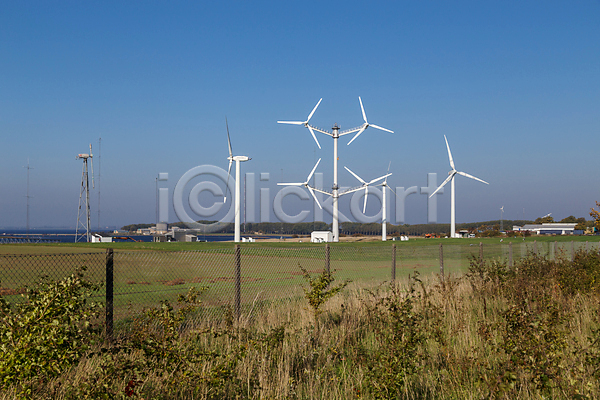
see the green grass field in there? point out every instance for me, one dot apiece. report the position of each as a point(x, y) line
point(146, 273)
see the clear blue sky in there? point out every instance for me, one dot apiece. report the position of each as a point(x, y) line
point(515, 85)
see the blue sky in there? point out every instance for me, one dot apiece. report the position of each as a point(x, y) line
point(515, 86)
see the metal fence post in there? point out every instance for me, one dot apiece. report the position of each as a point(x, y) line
point(109, 294)
point(481, 252)
point(572, 251)
point(394, 262)
point(442, 262)
point(238, 282)
point(555, 249)
point(535, 247)
point(510, 255)
point(327, 258)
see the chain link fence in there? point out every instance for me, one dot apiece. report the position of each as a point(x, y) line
point(245, 280)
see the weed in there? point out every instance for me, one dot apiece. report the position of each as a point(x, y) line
point(399, 330)
point(47, 333)
point(320, 289)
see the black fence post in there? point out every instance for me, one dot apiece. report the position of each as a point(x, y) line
point(238, 282)
point(572, 251)
point(510, 254)
point(442, 262)
point(481, 252)
point(394, 262)
point(327, 258)
point(109, 294)
point(555, 249)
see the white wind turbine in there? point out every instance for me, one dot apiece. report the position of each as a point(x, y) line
point(335, 134)
point(501, 219)
point(238, 160)
point(451, 174)
point(384, 185)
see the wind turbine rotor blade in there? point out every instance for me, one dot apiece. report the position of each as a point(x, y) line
point(443, 183)
point(376, 179)
point(313, 171)
point(471, 176)
point(313, 135)
point(314, 196)
point(392, 190)
point(356, 176)
point(385, 182)
point(292, 184)
point(227, 182)
point(229, 142)
point(291, 122)
point(365, 126)
point(313, 111)
point(381, 128)
point(449, 154)
point(363, 110)
point(366, 196)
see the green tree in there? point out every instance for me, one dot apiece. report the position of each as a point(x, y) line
point(570, 219)
point(596, 215)
point(544, 220)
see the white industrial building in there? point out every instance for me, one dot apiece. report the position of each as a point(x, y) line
point(551, 228)
point(321, 236)
point(97, 238)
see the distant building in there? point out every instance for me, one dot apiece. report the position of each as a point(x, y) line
point(321, 236)
point(97, 238)
point(177, 235)
point(552, 228)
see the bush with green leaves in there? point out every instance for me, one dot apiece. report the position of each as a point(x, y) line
point(400, 331)
point(320, 289)
point(48, 332)
point(160, 356)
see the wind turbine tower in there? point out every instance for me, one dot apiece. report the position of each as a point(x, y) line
point(238, 160)
point(384, 185)
point(83, 214)
point(335, 134)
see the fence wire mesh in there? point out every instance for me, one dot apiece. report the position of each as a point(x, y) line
point(20, 271)
point(267, 275)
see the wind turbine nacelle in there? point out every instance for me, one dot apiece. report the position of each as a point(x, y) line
point(83, 156)
point(241, 158)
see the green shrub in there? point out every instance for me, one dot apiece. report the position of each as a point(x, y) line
point(47, 333)
point(580, 276)
point(400, 331)
point(320, 289)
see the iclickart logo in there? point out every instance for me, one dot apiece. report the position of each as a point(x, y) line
point(190, 186)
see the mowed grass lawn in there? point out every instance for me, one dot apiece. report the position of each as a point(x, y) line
point(147, 273)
